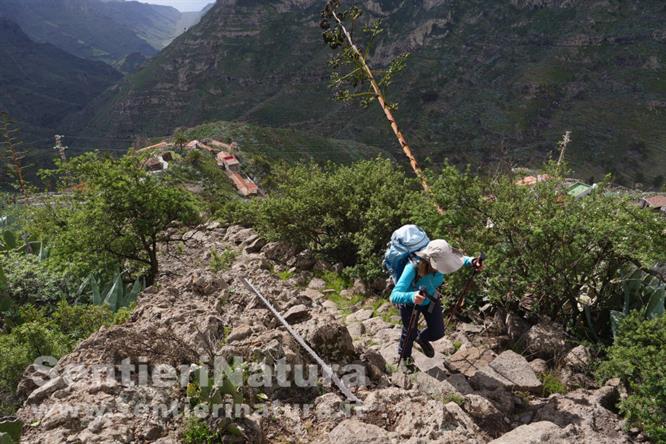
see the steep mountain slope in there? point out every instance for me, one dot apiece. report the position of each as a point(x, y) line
point(40, 84)
point(487, 80)
point(92, 29)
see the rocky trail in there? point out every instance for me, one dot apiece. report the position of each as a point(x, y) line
point(475, 389)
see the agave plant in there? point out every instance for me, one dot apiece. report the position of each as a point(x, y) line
point(115, 294)
point(643, 292)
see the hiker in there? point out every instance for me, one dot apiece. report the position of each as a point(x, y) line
point(421, 276)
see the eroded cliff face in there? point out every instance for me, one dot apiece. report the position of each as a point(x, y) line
point(483, 75)
point(133, 382)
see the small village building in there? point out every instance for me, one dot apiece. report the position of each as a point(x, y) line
point(656, 203)
point(529, 181)
point(580, 190)
point(228, 161)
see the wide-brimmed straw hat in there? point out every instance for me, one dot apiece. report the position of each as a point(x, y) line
point(442, 256)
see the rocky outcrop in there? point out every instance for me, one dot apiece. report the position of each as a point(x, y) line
point(192, 315)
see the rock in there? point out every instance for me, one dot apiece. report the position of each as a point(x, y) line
point(539, 366)
point(516, 369)
point(255, 245)
point(390, 354)
point(355, 329)
point(594, 423)
point(544, 340)
point(237, 234)
point(467, 360)
point(459, 382)
point(535, 433)
point(278, 251)
point(486, 378)
point(46, 390)
point(297, 313)
point(433, 387)
point(358, 287)
point(317, 284)
point(312, 295)
point(305, 260)
point(375, 363)
point(329, 338)
point(206, 283)
point(388, 336)
point(330, 306)
point(515, 326)
point(485, 414)
point(239, 333)
point(446, 423)
point(211, 226)
point(328, 407)
point(373, 325)
point(353, 431)
point(444, 346)
point(469, 328)
point(503, 400)
point(578, 359)
point(432, 366)
point(360, 315)
point(33, 377)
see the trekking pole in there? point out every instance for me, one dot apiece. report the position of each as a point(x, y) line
point(468, 286)
point(413, 322)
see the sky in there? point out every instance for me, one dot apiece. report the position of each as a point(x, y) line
point(182, 5)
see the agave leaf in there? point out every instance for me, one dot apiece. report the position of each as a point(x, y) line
point(96, 293)
point(115, 293)
point(43, 251)
point(655, 306)
point(616, 318)
point(10, 239)
point(632, 287)
point(130, 296)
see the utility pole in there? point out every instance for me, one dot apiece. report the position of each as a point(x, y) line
point(59, 147)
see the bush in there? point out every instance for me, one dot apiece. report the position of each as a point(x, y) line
point(637, 357)
point(546, 249)
point(29, 280)
point(197, 431)
point(346, 213)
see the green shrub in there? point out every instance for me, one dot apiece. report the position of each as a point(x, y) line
point(197, 431)
point(552, 384)
point(29, 280)
point(346, 213)
point(637, 357)
point(222, 261)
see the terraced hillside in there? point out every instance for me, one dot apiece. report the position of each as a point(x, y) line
point(486, 81)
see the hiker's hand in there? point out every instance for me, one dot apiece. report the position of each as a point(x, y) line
point(419, 298)
point(477, 264)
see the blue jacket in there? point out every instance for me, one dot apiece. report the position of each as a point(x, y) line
point(406, 289)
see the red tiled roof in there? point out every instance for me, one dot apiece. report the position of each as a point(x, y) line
point(656, 201)
point(532, 180)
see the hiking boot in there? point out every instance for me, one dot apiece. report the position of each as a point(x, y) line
point(426, 348)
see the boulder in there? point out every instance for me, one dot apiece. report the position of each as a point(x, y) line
point(254, 245)
point(353, 431)
point(539, 366)
point(360, 315)
point(486, 378)
point(545, 340)
point(297, 313)
point(459, 382)
point(278, 251)
point(485, 414)
point(317, 284)
point(305, 260)
point(467, 360)
point(237, 234)
point(432, 366)
point(515, 326)
point(239, 333)
point(329, 338)
point(444, 346)
point(436, 421)
point(433, 387)
point(373, 325)
point(375, 363)
point(516, 369)
point(578, 359)
point(355, 329)
point(535, 433)
point(46, 390)
point(33, 377)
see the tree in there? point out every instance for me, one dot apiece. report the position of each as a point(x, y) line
point(359, 80)
point(179, 139)
point(117, 212)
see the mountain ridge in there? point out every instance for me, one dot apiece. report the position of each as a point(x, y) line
point(486, 82)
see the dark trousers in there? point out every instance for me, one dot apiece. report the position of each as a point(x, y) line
point(434, 325)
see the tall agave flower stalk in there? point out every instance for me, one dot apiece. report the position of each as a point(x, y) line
point(360, 82)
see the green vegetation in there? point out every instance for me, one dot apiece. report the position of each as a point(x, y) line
point(637, 357)
point(284, 275)
point(453, 397)
point(197, 431)
point(117, 214)
point(548, 254)
point(552, 384)
point(221, 261)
